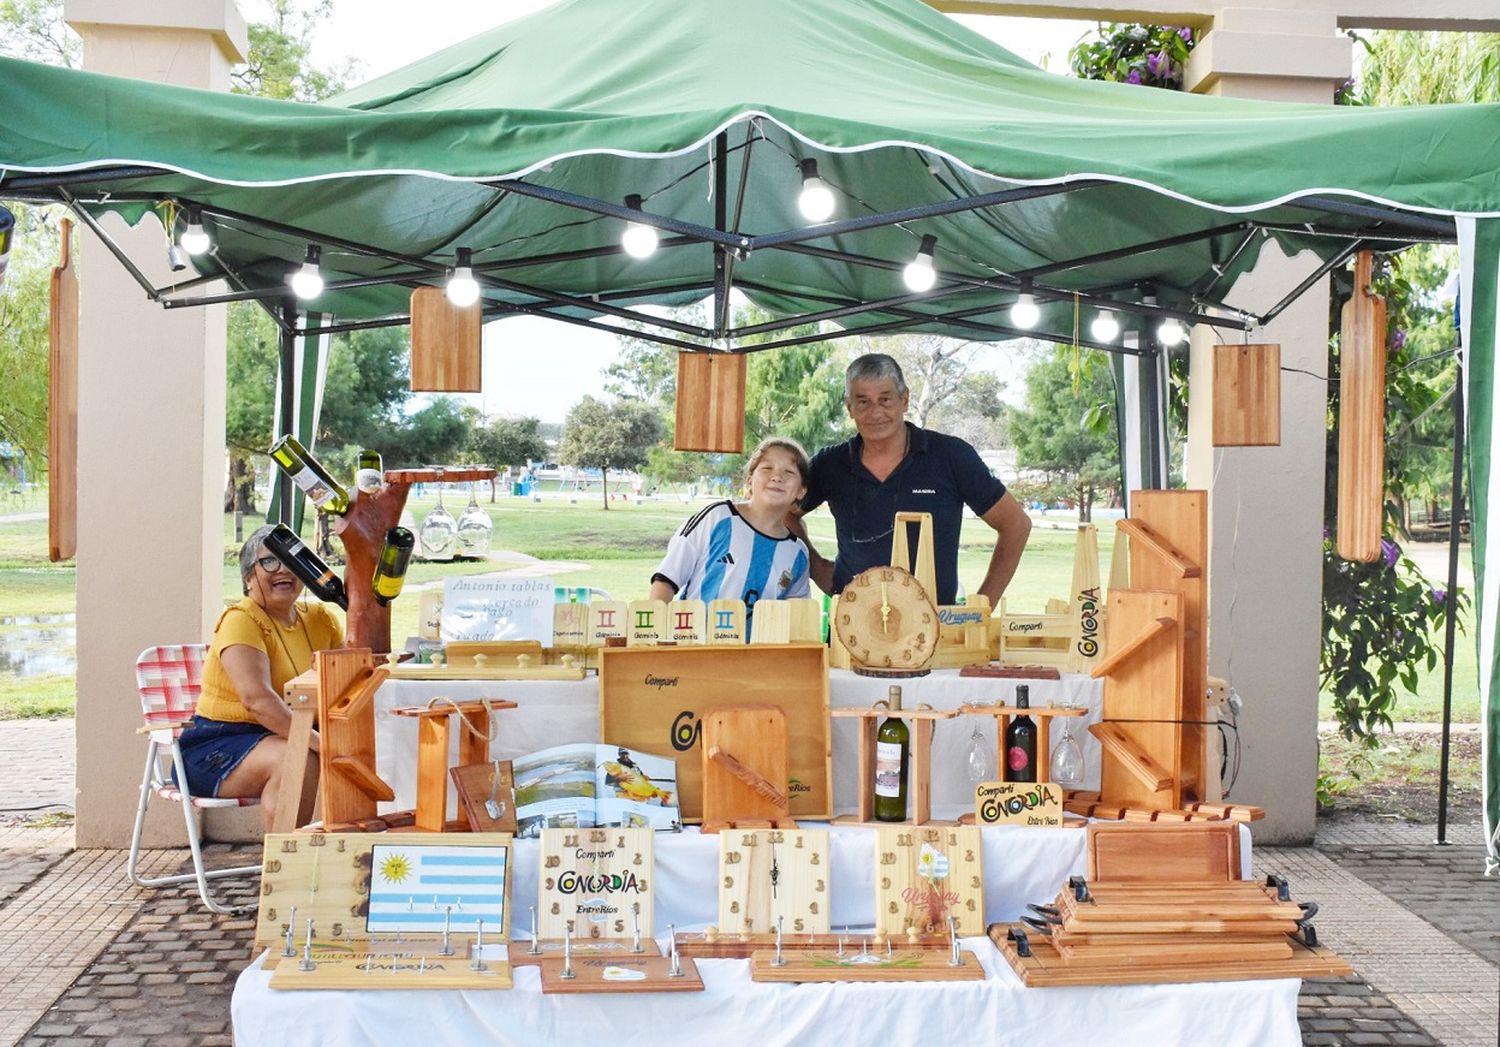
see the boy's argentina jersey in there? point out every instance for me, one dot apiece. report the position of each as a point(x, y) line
point(718, 556)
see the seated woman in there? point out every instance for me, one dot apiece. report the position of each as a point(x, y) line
point(743, 550)
point(237, 740)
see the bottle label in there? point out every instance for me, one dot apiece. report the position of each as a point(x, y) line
point(316, 489)
point(1017, 759)
point(887, 769)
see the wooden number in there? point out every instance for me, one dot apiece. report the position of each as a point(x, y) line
point(637, 859)
point(340, 847)
point(271, 915)
point(550, 883)
point(888, 858)
point(747, 840)
point(643, 884)
point(599, 836)
point(621, 843)
point(594, 931)
point(776, 836)
point(892, 908)
point(903, 840)
point(556, 908)
point(953, 841)
point(553, 861)
point(272, 866)
point(799, 842)
point(619, 926)
point(265, 889)
point(798, 924)
point(812, 907)
point(974, 881)
point(355, 910)
point(317, 840)
point(363, 887)
point(338, 930)
point(971, 904)
point(815, 859)
point(728, 882)
point(819, 887)
point(933, 836)
point(570, 840)
point(968, 855)
point(732, 858)
point(734, 906)
point(885, 883)
point(288, 846)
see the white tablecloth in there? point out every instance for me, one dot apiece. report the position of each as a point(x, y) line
point(555, 712)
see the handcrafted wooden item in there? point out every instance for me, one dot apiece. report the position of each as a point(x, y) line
point(787, 621)
point(919, 773)
point(654, 699)
point(1089, 805)
point(623, 974)
point(1150, 851)
point(62, 404)
point(963, 633)
point(1361, 419)
point(771, 875)
point(710, 402)
point(532, 951)
point(924, 876)
point(430, 614)
point(714, 944)
point(445, 344)
point(923, 568)
point(888, 623)
point(607, 619)
point(595, 883)
point(483, 667)
point(1169, 552)
point(362, 531)
point(648, 623)
point(415, 970)
point(434, 732)
point(301, 693)
point(687, 622)
point(479, 785)
point(865, 963)
point(726, 622)
point(1034, 804)
point(745, 768)
point(348, 787)
point(334, 880)
point(1041, 715)
point(481, 654)
point(1067, 635)
point(1141, 736)
point(995, 671)
point(570, 628)
point(1247, 395)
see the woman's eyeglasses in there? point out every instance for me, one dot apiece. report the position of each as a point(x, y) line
point(269, 564)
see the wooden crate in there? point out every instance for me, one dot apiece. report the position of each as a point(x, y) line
point(654, 699)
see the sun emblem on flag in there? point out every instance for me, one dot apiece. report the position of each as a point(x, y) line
point(396, 868)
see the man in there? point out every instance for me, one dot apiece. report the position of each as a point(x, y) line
point(893, 466)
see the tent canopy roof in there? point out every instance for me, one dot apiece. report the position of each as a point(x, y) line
point(522, 144)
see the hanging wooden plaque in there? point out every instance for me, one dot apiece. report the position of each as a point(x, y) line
point(445, 354)
point(710, 402)
point(1247, 395)
point(1361, 418)
point(62, 401)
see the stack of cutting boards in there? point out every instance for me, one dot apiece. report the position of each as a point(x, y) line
point(1165, 906)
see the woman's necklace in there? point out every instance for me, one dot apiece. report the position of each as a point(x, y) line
point(282, 639)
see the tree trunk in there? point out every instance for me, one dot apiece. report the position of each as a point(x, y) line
point(240, 492)
point(604, 482)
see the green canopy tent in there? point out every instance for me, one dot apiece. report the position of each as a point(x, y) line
point(523, 145)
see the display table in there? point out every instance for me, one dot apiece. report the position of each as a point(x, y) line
point(1021, 865)
point(552, 713)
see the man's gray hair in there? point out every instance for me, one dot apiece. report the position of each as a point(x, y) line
point(873, 367)
point(250, 551)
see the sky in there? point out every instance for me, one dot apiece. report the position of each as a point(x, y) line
point(384, 35)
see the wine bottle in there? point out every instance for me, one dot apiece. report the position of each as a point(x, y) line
point(390, 569)
point(371, 472)
point(892, 743)
point(1020, 742)
point(308, 473)
point(307, 565)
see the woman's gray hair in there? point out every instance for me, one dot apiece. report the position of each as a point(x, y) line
point(873, 367)
point(250, 551)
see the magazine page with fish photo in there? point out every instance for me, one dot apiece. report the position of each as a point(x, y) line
point(582, 785)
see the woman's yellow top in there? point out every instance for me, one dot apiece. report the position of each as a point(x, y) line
point(289, 647)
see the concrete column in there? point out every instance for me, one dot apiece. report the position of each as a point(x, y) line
point(1266, 504)
point(151, 467)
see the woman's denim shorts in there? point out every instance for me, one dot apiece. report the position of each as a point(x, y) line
point(213, 748)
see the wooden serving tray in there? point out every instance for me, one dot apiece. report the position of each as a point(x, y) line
point(599, 974)
point(825, 965)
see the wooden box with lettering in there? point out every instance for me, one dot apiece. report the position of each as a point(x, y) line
point(654, 699)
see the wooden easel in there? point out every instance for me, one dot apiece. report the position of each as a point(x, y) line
point(745, 769)
point(434, 730)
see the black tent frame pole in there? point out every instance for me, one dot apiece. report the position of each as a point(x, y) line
point(1451, 600)
point(285, 421)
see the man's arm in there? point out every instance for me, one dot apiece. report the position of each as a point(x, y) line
point(819, 568)
point(1013, 528)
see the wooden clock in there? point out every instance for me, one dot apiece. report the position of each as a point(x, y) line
point(766, 873)
point(923, 875)
point(887, 621)
point(598, 880)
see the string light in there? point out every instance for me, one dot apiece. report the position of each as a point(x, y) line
point(919, 273)
point(307, 282)
point(463, 289)
point(1105, 327)
point(816, 200)
point(1025, 314)
point(639, 240)
point(194, 239)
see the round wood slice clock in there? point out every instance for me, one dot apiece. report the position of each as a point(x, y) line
point(888, 623)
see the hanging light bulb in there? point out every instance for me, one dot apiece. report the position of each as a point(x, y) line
point(1171, 332)
point(640, 240)
point(1105, 327)
point(463, 289)
point(194, 239)
point(816, 200)
point(919, 274)
point(307, 282)
point(1025, 314)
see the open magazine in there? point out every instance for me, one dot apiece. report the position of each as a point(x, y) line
point(583, 785)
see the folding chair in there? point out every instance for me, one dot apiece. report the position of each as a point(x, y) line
point(169, 680)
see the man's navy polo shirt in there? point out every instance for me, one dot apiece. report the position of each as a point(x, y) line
point(939, 475)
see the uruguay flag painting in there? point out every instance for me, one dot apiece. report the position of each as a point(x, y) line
point(413, 887)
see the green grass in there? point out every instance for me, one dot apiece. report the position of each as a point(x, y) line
point(36, 697)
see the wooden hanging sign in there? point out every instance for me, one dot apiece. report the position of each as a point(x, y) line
point(1036, 804)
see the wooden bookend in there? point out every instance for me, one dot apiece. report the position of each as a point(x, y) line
point(349, 787)
point(726, 622)
point(1247, 395)
point(1361, 418)
point(445, 344)
point(687, 621)
point(1141, 734)
point(1208, 851)
point(62, 405)
point(745, 767)
point(648, 623)
point(710, 402)
point(923, 569)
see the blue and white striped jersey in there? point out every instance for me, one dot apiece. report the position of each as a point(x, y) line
point(718, 556)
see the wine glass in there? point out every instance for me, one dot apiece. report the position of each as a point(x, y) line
point(474, 528)
point(439, 533)
point(980, 759)
point(1067, 756)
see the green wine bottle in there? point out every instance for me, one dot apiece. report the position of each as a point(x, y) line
point(306, 565)
point(308, 473)
point(370, 474)
point(390, 569)
point(892, 743)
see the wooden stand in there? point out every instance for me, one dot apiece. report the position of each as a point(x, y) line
point(919, 776)
point(1040, 715)
point(825, 965)
point(745, 769)
point(349, 788)
point(434, 730)
point(362, 530)
point(1068, 635)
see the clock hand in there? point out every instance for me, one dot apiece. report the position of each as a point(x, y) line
point(885, 609)
point(775, 870)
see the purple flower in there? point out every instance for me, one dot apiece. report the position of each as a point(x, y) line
point(1390, 552)
point(1134, 77)
point(1186, 32)
point(1398, 340)
point(1438, 597)
point(1155, 62)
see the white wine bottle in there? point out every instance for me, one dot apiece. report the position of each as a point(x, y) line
point(308, 473)
point(307, 565)
point(390, 569)
point(892, 745)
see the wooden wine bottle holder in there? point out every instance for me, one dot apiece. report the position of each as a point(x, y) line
point(1042, 716)
point(919, 775)
point(434, 731)
point(362, 530)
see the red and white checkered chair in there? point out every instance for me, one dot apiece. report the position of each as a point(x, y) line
point(169, 680)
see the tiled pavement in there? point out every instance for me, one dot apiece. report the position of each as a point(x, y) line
point(122, 966)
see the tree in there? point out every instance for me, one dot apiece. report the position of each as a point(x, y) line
point(23, 334)
point(502, 442)
point(1052, 434)
point(279, 66)
point(605, 436)
point(35, 30)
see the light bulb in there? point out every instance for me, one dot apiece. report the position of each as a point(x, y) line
point(194, 239)
point(463, 289)
point(307, 282)
point(816, 201)
point(639, 240)
point(1105, 327)
point(1024, 314)
point(1170, 332)
point(919, 273)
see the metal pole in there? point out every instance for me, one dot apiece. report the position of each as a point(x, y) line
point(1451, 599)
point(285, 410)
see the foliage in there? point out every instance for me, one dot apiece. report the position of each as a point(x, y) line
point(1153, 55)
point(1052, 434)
point(1429, 68)
point(504, 441)
point(279, 66)
point(23, 332)
point(605, 436)
point(35, 30)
